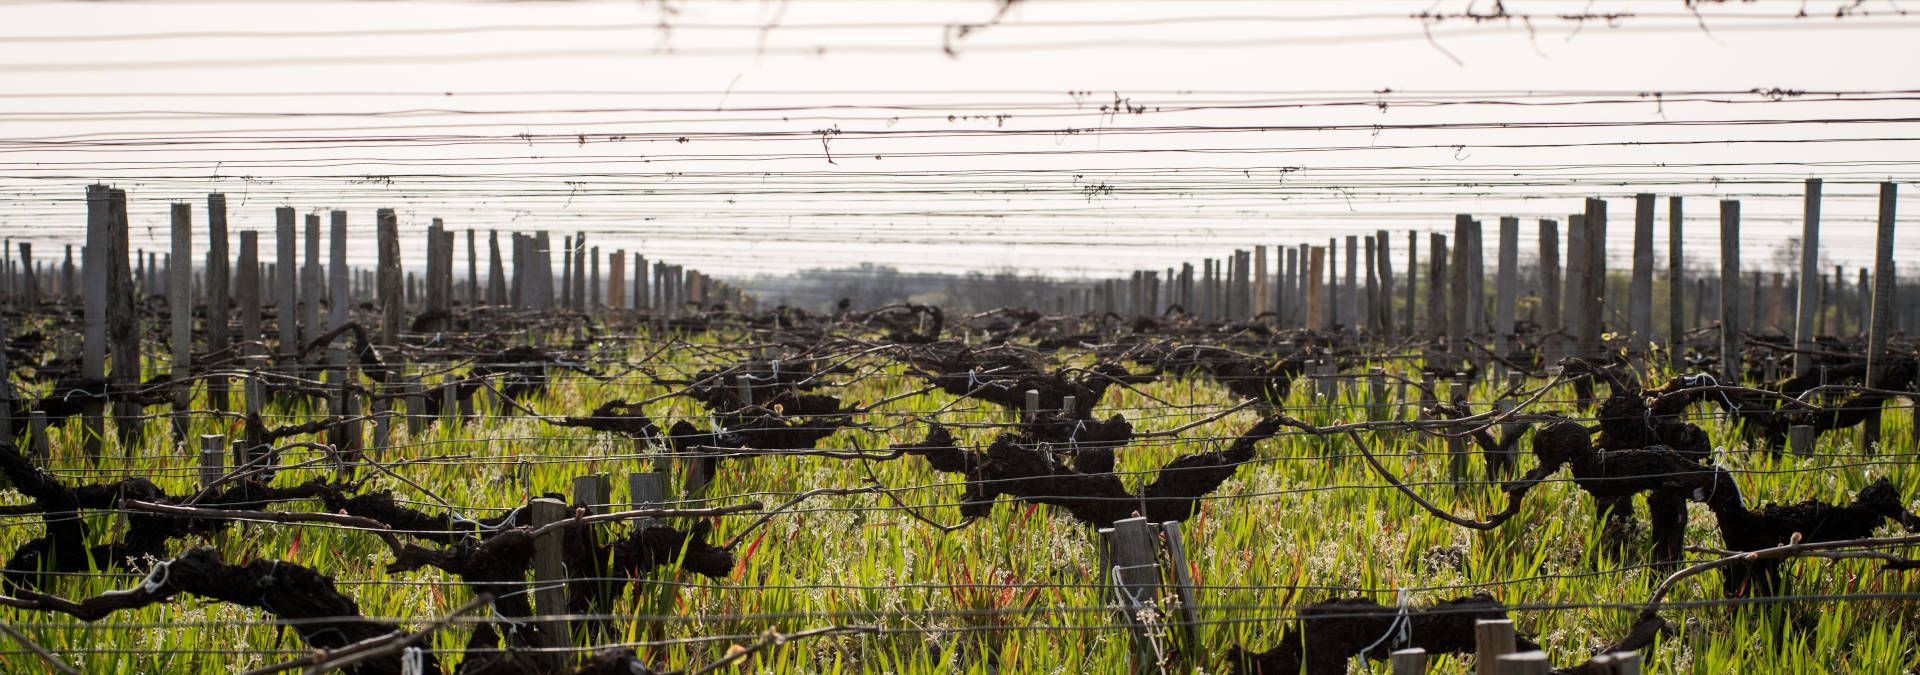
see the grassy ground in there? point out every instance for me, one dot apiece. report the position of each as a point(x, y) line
point(1019, 592)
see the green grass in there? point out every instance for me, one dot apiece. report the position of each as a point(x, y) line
point(1018, 591)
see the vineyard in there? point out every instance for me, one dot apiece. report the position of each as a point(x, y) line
point(1234, 473)
point(987, 337)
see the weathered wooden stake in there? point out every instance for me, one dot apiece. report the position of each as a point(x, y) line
point(218, 301)
point(1730, 291)
point(1640, 290)
point(213, 459)
point(1135, 576)
point(93, 360)
point(550, 575)
point(180, 306)
point(1594, 304)
point(1507, 286)
point(285, 299)
point(37, 435)
point(1882, 322)
point(1315, 291)
point(1409, 661)
point(1523, 663)
point(1676, 282)
point(496, 271)
point(1492, 638)
point(312, 285)
point(248, 285)
point(1385, 267)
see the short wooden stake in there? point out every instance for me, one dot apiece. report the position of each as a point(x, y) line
point(37, 435)
point(213, 456)
point(550, 575)
point(594, 492)
point(1523, 663)
point(1135, 576)
point(1492, 639)
point(1409, 661)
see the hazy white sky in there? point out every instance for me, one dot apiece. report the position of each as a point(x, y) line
point(762, 136)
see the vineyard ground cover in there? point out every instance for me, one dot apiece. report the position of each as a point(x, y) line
point(1023, 589)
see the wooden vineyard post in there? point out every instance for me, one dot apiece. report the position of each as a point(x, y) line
point(1800, 439)
point(1316, 295)
point(593, 492)
point(450, 404)
point(392, 302)
point(285, 297)
point(1476, 309)
point(218, 303)
point(180, 306)
point(1183, 588)
point(1135, 577)
point(29, 296)
point(1385, 271)
point(1492, 639)
point(253, 399)
point(1261, 291)
point(1436, 297)
point(311, 285)
point(1730, 292)
point(566, 272)
point(617, 280)
point(1413, 282)
point(1286, 301)
point(1572, 301)
point(1550, 317)
point(346, 436)
point(1033, 405)
point(1409, 661)
point(247, 285)
point(549, 577)
point(1640, 290)
point(496, 271)
point(1507, 287)
point(213, 456)
point(1332, 286)
point(641, 299)
point(416, 408)
point(37, 444)
point(1371, 318)
point(1377, 405)
point(1881, 326)
point(473, 270)
point(1458, 322)
point(1350, 300)
point(123, 324)
point(1620, 663)
point(645, 489)
point(1523, 663)
point(1594, 305)
point(1676, 283)
point(593, 280)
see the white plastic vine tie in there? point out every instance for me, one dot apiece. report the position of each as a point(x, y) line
point(156, 577)
point(413, 661)
point(1401, 629)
